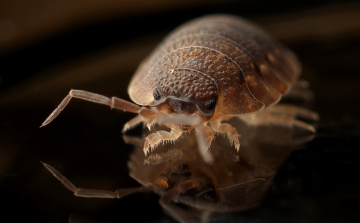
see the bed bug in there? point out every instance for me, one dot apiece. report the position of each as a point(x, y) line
point(205, 72)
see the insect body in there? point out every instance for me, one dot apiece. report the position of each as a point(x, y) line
point(205, 72)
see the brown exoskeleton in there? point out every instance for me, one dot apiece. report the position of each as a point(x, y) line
point(206, 72)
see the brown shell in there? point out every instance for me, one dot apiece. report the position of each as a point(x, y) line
point(251, 70)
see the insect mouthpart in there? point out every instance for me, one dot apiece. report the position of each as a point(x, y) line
point(181, 120)
point(181, 106)
point(186, 128)
point(176, 105)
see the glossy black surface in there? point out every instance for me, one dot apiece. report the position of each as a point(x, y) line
point(318, 183)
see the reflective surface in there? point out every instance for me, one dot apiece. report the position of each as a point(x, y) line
point(317, 183)
point(234, 182)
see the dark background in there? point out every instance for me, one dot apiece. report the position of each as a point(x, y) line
point(50, 47)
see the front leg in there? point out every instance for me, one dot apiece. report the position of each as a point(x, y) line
point(228, 130)
point(154, 139)
point(113, 102)
point(205, 136)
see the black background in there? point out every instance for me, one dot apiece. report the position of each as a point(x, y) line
point(100, 54)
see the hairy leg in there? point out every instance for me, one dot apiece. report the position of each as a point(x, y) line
point(228, 130)
point(205, 136)
point(154, 139)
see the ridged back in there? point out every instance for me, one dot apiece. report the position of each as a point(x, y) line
point(250, 69)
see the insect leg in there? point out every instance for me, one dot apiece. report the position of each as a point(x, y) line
point(113, 102)
point(154, 139)
point(132, 123)
point(300, 91)
point(92, 193)
point(205, 136)
point(133, 140)
point(229, 131)
point(292, 111)
point(283, 116)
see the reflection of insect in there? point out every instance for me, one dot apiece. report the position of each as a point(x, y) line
point(181, 175)
point(205, 72)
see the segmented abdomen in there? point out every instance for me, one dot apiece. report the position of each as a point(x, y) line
point(243, 60)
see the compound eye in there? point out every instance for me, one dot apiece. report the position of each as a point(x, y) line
point(210, 104)
point(156, 94)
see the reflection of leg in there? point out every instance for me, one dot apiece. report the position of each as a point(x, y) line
point(228, 130)
point(172, 209)
point(157, 159)
point(283, 115)
point(206, 216)
point(153, 140)
point(91, 193)
point(205, 136)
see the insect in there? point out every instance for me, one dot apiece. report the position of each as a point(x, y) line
point(205, 72)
